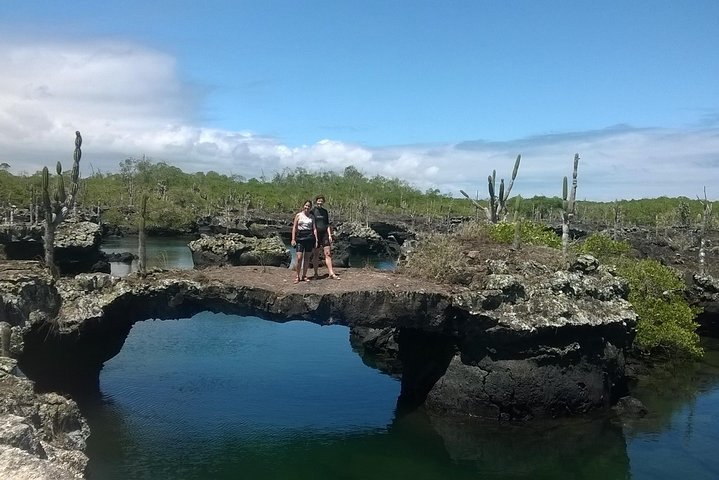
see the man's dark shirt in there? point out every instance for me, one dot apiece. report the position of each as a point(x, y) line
point(322, 218)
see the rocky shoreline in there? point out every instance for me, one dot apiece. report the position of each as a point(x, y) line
point(42, 435)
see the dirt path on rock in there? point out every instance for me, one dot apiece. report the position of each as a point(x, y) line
point(281, 280)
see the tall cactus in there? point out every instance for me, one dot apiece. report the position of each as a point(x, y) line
point(568, 206)
point(57, 208)
point(141, 249)
point(498, 203)
point(497, 208)
point(705, 219)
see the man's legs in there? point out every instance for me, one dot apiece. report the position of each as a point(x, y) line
point(328, 261)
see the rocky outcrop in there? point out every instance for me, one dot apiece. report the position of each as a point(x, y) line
point(544, 344)
point(27, 295)
point(42, 436)
point(250, 227)
point(704, 293)
point(353, 238)
point(236, 249)
point(77, 246)
point(517, 346)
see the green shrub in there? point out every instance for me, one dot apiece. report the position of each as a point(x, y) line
point(115, 216)
point(531, 234)
point(666, 321)
point(603, 247)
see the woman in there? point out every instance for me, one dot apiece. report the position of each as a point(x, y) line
point(304, 239)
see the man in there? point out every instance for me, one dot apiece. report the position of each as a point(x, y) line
point(324, 237)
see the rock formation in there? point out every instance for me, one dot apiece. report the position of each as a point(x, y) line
point(77, 246)
point(42, 436)
point(545, 344)
point(236, 249)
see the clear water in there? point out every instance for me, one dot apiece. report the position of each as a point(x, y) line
point(221, 396)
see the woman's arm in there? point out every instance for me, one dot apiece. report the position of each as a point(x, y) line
point(294, 230)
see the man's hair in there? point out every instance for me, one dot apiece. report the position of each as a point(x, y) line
point(320, 196)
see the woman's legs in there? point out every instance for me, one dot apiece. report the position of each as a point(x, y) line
point(298, 265)
point(306, 264)
point(316, 260)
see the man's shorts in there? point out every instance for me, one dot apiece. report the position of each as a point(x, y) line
point(324, 238)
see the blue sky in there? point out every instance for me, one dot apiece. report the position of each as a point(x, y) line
point(436, 93)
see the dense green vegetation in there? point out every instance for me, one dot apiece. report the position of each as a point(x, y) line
point(531, 233)
point(666, 321)
point(177, 198)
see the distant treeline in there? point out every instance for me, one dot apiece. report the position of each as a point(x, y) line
point(177, 198)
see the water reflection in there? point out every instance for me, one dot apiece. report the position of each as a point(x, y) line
point(582, 448)
point(162, 252)
point(679, 436)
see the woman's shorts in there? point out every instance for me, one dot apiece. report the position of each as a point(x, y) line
point(305, 244)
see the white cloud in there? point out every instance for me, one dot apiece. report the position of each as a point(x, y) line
point(128, 101)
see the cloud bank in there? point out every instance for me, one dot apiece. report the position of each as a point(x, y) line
point(128, 100)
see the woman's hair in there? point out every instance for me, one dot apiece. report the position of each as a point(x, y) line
point(306, 202)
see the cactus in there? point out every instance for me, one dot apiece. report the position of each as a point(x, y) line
point(568, 206)
point(141, 249)
point(498, 203)
point(476, 204)
point(617, 220)
point(57, 208)
point(705, 218)
point(497, 200)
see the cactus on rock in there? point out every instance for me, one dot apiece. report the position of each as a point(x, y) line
point(568, 205)
point(141, 236)
point(57, 208)
point(497, 209)
point(705, 219)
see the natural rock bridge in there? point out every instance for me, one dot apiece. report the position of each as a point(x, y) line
point(520, 347)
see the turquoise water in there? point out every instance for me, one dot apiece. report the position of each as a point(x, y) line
point(222, 396)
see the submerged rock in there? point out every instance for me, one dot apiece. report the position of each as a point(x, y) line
point(630, 407)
